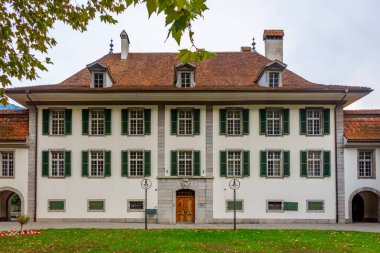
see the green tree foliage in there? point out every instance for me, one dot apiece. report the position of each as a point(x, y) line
point(22, 220)
point(25, 27)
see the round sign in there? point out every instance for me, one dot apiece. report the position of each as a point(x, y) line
point(234, 184)
point(146, 183)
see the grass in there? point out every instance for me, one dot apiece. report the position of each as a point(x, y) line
point(192, 240)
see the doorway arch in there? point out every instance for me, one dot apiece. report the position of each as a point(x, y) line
point(364, 205)
point(185, 206)
point(7, 209)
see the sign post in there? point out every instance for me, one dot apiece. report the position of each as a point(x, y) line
point(146, 184)
point(234, 185)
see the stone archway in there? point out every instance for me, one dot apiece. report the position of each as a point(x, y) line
point(5, 194)
point(365, 193)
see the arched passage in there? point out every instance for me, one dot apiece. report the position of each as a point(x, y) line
point(9, 208)
point(364, 205)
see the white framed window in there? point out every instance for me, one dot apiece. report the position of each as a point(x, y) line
point(314, 121)
point(99, 79)
point(7, 164)
point(275, 206)
point(135, 205)
point(234, 121)
point(239, 205)
point(136, 163)
point(274, 121)
point(57, 163)
point(366, 164)
point(314, 163)
point(136, 122)
point(274, 163)
point(185, 122)
point(234, 163)
point(185, 163)
point(274, 79)
point(96, 205)
point(57, 118)
point(315, 206)
point(185, 79)
point(56, 205)
point(96, 163)
point(97, 121)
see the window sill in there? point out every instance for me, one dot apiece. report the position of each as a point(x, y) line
point(6, 177)
point(275, 177)
point(57, 177)
point(56, 211)
point(135, 177)
point(366, 177)
point(275, 211)
point(57, 135)
point(315, 211)
point(96, 211)
point(185, 177)
point(136, 211)
point(315, 177)
point(96, 177)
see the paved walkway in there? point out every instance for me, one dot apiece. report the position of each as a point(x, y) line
point(365, 227)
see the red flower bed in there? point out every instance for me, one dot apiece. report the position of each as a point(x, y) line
point(17, 233)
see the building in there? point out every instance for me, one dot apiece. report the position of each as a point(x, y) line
point(191, 129)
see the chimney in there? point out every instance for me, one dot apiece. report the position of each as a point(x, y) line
point(274, 49)
point(124, 45)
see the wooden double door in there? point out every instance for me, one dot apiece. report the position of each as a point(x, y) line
point(185, 206)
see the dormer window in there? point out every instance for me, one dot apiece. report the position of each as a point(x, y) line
point(185, 75)
point(274, 79)
point(98, 80)
point(101, 76)
point(185, 79)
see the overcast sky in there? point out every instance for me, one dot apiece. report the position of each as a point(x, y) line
point(329, 42)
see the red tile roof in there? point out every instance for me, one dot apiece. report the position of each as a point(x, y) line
point(156, 71)
point(277, 33)
point(14, 125)
point(362, 125)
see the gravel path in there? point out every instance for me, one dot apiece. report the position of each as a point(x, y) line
point(365, 227)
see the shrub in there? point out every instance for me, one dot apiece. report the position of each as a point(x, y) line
point(23, 220)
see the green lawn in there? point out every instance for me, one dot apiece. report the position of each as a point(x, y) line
point(193, 240)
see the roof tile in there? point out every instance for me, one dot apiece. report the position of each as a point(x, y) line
point(14, 125)
point(362, 125)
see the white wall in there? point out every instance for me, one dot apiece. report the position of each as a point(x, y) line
point(256, 190)
point(77, 189)
point(20, 181)
point(351, 180)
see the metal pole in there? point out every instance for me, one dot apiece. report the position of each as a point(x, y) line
point(234, 209)
point(146, 204)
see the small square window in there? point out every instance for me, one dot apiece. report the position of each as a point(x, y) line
point(95, 205)
point(274, 206)
point(274, 79)
point(98, 80)
point(56, 205)
point(135, 205)
point(239, 205)
point(315, 206)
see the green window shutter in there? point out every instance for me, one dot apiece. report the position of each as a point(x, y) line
point(246, 163)
point(45, 163)
point(124, 163)
point(147, 163)
point(196, 121)
point(197, 163)
point(303, 163)
point(263, 121)
point(286, 163)
point(67, 163)
point(326, 121)
point(45, 121)
point(147, 121)
point(285, 121)
point(222, 121)
point(124, 121)
point(303, 121)
point(290, 206)
point(263, 163)
point(174, 119)
point(174, 162)
point(326, 164)
point(84, 163)
point(108, 124)
point(107, 167)
point(68, 119)
point(85, 121)
point(223, 163)
point(245, 121)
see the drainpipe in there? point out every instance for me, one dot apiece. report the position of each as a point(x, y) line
point(35, 158)
point(336, 157)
